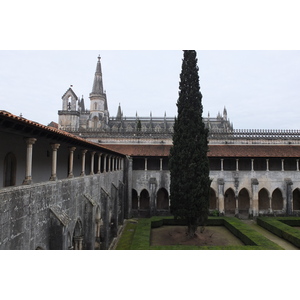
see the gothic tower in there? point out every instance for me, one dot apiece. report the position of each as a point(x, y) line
point(98, 104)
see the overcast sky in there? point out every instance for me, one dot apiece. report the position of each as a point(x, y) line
point(260, 89)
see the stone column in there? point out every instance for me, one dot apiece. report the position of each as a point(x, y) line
point(282, 165)
point(54, 161)
point(83, 152)
point(104, 163)
point(288, 205)
point(222, 164)
point(267, 162)
point(28, 173)
point(92, 162)
point(270, 205)
point(146, 164)
point(99, 163)
point(221, 195)
point(252, 165)
point(297, 162)
point(109, 163)
point(161, 164)
point(254, 185)
point(71, 162)
point(237, 165)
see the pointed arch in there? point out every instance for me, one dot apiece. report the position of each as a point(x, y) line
point(263, 199)
point(134, 202)
point(296, 199)
point(162, 199)
point(277, 200)
point(244, 200)
point(78, 236)
point(9, 170)
point(229, 201)
point(144, 199)
point(212, 199)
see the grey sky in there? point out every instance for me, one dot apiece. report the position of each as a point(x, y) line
point(260, 89)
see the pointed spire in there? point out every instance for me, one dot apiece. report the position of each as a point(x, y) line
point(98, 84)
point(119, 113)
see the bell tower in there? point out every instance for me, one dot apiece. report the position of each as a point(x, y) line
point(68, 117)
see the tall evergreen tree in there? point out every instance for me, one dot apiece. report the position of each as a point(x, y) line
point(188, 163)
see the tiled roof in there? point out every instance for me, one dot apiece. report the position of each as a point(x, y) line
point(214, 150)
point(8, 120)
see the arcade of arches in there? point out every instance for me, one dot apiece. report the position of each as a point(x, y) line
point(242, 203)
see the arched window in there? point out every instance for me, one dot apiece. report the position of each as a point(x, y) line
point(162, 199)
point(95, 106)
point(212, 199)
point(144, 200)
point(229, 201)
point(277, 200)
point(263, 199)
point(244, 201)
point(10, 168)
point(296, 199)
point(134, 199)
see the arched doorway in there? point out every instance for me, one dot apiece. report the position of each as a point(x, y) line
point(144, 200)
point(244, 201)
point(229, 201)
point(212, 199)
point(9, 169)
point(78, 236)
point(162, 199)
point(134, 201)
point(277, 200)
point(296, 199)
point(263, 199)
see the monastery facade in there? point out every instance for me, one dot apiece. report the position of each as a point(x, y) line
point(71, 187)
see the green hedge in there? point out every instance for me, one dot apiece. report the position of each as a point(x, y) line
point(251, 238)
point(282, 227)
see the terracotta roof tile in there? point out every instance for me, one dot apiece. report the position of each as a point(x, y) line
point(214, 150)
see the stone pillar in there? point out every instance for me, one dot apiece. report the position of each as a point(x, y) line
point(282, 165)
point(104, 163)
point(71, 162)
point(222, 164)
point(83, 152)
point(28, 173)
point(146, 164)
point(54, 161)
point(267, 163)
point(254, 206)
point(78, 242)
point(237, 165)
point(92, 162)
point(289, 197)
point(297, 162)
point(252, 165)
point(221, 195)
point(161, 164)
point(270, 205)
point(109, 163)
point(99, 163)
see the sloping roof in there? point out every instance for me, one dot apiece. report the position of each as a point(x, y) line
point(9, 121)
point(214, 150)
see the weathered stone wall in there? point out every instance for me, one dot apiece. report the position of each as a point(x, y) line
point(44, 215)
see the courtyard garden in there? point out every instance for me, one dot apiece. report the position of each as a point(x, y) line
point(220, 233)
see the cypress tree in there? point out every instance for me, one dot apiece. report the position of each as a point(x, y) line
point(188, 162)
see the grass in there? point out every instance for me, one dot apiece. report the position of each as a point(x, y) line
point(137, 236)
point(282, 227)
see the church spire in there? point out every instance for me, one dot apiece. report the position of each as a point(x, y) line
point(98, 84)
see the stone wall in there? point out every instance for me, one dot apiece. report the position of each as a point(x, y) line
point(63, 214)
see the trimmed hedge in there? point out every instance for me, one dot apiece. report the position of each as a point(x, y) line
point(282, 227)
point(251, 238)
